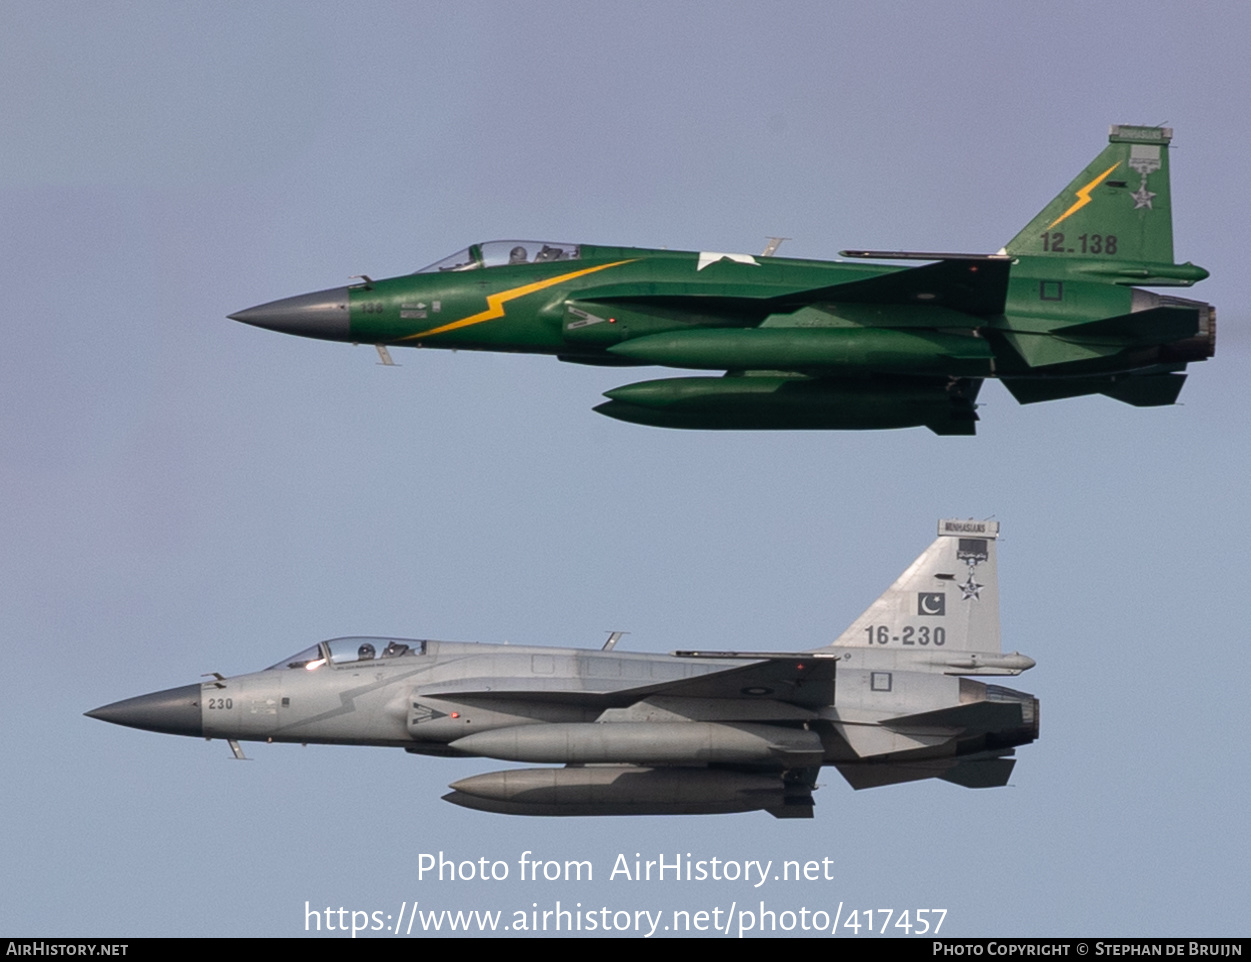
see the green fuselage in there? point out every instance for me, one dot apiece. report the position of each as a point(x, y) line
point(825, 344)
point(581, 309)
point(809, 317)
point(542, 308)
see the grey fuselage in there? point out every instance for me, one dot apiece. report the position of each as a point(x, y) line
point(437, 694)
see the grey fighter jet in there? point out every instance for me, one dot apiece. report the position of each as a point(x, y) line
point(694, 732)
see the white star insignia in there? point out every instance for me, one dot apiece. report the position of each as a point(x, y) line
point(971, 589)
point(711, 257)
point(1142, 197)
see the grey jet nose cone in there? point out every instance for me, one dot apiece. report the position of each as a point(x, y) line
point(322, 314)
point(175, 711)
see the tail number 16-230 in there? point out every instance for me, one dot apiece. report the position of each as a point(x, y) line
point(908, 635)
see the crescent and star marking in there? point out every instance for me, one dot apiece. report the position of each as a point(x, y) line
point(1083, 195)
point(496, 301)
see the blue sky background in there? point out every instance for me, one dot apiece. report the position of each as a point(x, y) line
point(182, 494)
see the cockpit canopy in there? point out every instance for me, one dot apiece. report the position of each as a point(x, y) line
point(501, 253)
point(345, 651)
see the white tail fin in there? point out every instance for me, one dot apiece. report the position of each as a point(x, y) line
point(948, 599)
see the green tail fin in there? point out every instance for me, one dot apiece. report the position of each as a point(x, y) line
point(1117, 209)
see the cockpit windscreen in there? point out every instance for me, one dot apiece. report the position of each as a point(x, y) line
point(345, 651)
point(505, 252)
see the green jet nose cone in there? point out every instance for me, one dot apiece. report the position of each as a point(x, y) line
point(322, 314)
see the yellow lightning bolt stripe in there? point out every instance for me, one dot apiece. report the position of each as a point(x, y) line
point(1083, 195)
point(496, 301)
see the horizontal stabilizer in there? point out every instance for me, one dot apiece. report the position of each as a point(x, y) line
point(1146, 390)
point(976, 771)
point(875, 775)
point(1140, 390)
point(983, 773)
point(931, 729)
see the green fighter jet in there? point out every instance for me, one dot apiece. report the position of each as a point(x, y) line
point(818, 344)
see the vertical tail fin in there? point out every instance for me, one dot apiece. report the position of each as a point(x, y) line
point(947, 600)
point(1118, 208)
